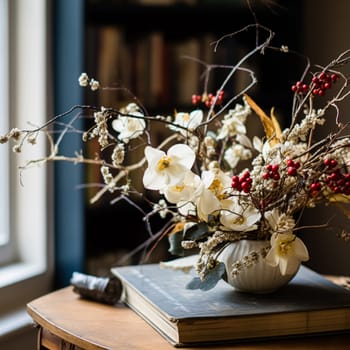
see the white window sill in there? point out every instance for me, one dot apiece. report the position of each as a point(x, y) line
point(15, 273)
point(19, 284)
point(14, 322)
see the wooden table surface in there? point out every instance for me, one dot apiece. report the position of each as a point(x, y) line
point(91, 325)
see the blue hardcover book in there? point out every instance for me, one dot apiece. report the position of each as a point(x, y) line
point(309, 304)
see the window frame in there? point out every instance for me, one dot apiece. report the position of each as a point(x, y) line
point(29, 275)
point(6, 244)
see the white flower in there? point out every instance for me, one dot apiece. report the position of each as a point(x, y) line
point(234, 121)
point(200, 197)
point(208, 200)
point(94, 85)
point(131, 108)
point(236, 153)
point(185, 190)
point(240, 111)
point(129, 127)
point(167, 169)
point(238, 216)
point(287, 251)
point(189, 121)
point(231, 126)
point(280, 222)
point(203, 204)
point(217, 182)
point(83, 79)
point(207, 204)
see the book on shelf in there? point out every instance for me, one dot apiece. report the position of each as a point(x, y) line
point(108, 66)
point(186, 71)
point(309, 304)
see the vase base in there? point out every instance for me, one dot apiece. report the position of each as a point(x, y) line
point(260, 277)
point(258, 291)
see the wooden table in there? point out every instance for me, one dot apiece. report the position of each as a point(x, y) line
point(65, 321)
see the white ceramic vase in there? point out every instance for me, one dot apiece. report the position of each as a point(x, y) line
point(258, 278)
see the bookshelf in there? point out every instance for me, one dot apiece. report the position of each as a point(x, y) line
point(126, 40)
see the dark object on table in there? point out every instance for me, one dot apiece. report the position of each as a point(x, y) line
point(102, 289)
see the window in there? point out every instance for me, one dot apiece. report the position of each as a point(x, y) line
point(5, 243)
point(25, 199)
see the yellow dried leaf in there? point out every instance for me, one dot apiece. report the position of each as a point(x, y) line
point(276, 124)
point(269, 124)
point(339, 198)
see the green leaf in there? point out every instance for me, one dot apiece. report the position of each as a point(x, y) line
point(175, 240)
point(210, 280)
point(195, 283)
point(196, 231)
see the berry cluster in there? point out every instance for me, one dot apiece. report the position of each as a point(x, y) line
point(323, 82)
point(320, 83)
point(242, 183)
point(271, 172)
point(300, 87)
point(337, 181)
point(330, 163)
point(208, 99)
point(292, 167)
point(315, 188)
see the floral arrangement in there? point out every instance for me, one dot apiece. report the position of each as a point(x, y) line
point(213, 184)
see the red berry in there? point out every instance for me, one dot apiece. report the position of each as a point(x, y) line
point(249, 180)
point(246, 174)
point(340, 182)
point(315, 80)
point(334, 77)
point(327, 162)
point(290, 162)
point(322, 76)
point(291, 171)
point(276, 176)
point(333, 163)
point(246, 187)
point(316, 186)
point(274, 168)
point(266, 176)
point(334, 176)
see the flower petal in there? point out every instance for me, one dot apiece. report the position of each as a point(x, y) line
point(183, 154)
point(300, 250)
point(154, 180)
point(153, 155)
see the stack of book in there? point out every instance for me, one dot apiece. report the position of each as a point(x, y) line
point(309, 304)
